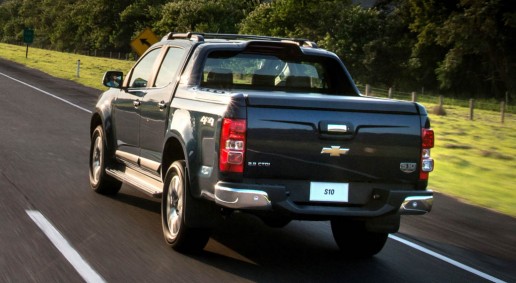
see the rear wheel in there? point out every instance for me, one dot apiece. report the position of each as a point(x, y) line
point(354, 240)
point(176, 202)
point(100, 182)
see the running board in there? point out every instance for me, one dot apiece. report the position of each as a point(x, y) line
point(146, 184)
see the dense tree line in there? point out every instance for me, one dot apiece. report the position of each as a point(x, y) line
point(458, 47)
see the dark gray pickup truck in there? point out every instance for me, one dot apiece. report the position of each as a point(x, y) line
point(275, 127)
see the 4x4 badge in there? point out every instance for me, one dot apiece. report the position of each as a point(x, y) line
point(334, 150)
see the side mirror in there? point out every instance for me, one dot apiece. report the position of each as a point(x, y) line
point(113, 79)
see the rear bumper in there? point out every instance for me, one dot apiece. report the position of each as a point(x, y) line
point(241, 198)
point(379, 202)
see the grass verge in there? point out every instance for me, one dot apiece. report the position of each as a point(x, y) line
point(64, 65)
point(475, 160)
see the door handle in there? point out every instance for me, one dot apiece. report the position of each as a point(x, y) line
point(162, 105)
point(137, 103)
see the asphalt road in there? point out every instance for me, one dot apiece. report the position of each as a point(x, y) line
point(44, 144)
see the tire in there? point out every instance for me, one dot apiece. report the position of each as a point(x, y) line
point(354, 240)
point(100, 182)
point(175, 204)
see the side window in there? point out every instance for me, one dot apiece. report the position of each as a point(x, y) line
point(169, 67)
point(142, 71)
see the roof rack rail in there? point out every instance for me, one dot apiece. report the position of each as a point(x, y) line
point(201, 36)
point(189, 35)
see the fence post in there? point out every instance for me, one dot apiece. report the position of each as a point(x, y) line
point(367, 89)
point(78, 67)
point(390, 92)
point(441, 101)
point(414, 96)
point(502, 110)
point(471, 108)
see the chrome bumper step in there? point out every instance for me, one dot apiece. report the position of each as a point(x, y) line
point(242, 198)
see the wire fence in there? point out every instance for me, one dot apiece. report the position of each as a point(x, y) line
point(95, 53)
point(484, 104)
point(107, 54)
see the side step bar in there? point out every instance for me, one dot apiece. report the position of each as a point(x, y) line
point(146, 184)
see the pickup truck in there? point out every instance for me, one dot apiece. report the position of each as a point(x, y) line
point(218, 123)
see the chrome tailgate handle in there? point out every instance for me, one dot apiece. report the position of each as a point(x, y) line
point(338, 128)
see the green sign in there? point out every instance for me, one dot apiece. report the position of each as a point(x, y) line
point(28, 35)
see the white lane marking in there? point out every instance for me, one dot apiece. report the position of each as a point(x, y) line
point(84, 269)
point(47, 93)
point(410, 244)
point(447, 259)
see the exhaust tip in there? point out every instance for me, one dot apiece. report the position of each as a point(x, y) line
point(415, 205)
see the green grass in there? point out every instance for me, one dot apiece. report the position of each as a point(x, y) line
point(474, 160)
point(64, 65)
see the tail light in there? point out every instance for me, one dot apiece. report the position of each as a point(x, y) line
point(232, 145)
point(427, 163)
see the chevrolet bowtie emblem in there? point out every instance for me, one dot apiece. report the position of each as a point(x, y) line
point(334, 150)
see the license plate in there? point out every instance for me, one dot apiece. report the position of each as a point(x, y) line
point(329, 192)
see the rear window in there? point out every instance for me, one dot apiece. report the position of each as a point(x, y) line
point(252, 70)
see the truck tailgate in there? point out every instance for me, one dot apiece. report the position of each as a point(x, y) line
point(333, 139)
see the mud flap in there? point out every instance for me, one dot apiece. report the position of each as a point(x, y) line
point(201, 213)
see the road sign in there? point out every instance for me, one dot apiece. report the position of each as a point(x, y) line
point(143, 41)
point(28, 35)
point(28, 38)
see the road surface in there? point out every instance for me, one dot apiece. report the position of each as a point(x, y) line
point(56, 229)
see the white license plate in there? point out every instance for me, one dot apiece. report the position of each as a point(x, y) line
point(329, 192)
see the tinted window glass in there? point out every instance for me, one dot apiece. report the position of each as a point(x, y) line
point(311, 74)
point(169, 67)
point(142, 71)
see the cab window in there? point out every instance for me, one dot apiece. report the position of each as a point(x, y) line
point(170, 66)
point(143, 70)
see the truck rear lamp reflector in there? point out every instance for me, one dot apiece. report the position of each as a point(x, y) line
point(232, 145)
point(428, 138)
point(425, 153)
point(235, 157)
point(427, 163)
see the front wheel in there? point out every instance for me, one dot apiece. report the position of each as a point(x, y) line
point(354, 240)
point(101, 182)
point(176, 202)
